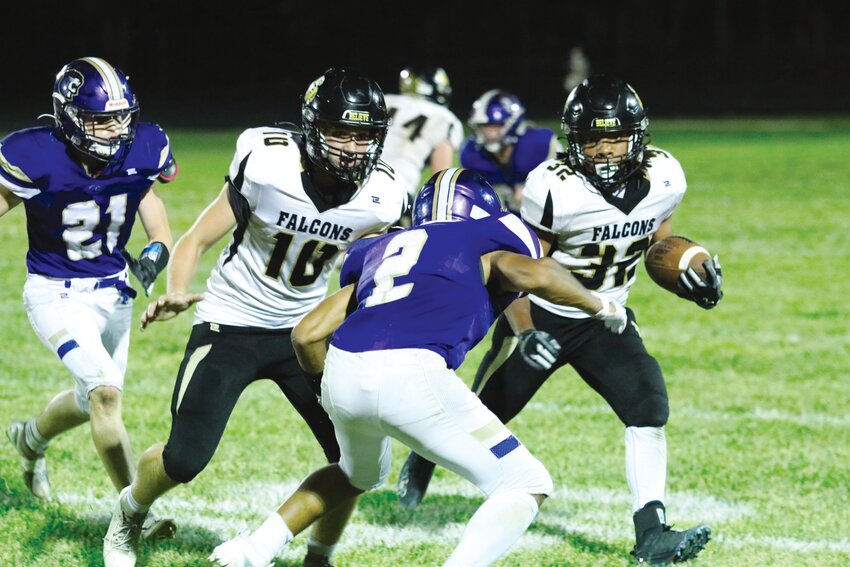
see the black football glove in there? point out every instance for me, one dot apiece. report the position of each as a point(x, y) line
point(539, 349)
point(704, 292)
point(151, 262)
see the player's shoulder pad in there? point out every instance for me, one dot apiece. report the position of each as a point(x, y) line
point(661, 163)
point(525, 240)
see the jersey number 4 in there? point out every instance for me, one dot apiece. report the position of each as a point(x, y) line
point(414, 125)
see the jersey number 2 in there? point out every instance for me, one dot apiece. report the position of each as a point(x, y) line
point(400, 256)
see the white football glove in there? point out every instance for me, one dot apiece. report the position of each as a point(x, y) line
point(539, 349)
point(612, 314)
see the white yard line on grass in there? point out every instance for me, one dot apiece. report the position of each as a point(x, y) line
point(691, 412)
point(595, 513)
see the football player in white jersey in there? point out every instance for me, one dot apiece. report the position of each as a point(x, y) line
point(596, 209)
point(423, 131)
point(83, 181)
point(293, 202)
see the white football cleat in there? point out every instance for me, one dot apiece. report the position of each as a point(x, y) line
point(122, 537)
point(156, 527)
point(35, 465)
point(239, 552)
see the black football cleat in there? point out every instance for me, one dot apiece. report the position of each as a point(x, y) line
point(671, 546)
point(316, 560)
point(413, 480)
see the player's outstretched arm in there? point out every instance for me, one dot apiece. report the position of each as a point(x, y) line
point(310, 335)
point(547, 279)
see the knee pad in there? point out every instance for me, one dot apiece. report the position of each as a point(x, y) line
point(525, 474)
point(652, 411)
point(182, 465)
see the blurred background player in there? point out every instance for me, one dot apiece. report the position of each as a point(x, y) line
point(503, 146)
point(423, 131)
point(391, 367)
point(294, 201)
point(596, 209)
point(83, 180)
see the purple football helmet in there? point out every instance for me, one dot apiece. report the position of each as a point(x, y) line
point(95, 108)
point(497, 108)
point(455, 194)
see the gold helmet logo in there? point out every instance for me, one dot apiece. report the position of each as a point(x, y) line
point(313, 89)
point(605, 122)
point(356, 116)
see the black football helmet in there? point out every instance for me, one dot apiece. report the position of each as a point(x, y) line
point(429, 82)
point(344, 98)
point(604, 106)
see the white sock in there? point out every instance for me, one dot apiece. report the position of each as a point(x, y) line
point(316, 547)
point(33, 438)
point(270, 538)
point(494, 528)
point(130, 504)
point(646, 464)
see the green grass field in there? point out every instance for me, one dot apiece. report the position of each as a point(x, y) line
point(759, 434)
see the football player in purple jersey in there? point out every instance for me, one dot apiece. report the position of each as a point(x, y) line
point(504, 147)
point(83, 180)
point(417, 300)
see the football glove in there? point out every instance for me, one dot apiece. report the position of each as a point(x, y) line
point(539, 349)
point(704, 292)
point(151, 262)
point(612, 314)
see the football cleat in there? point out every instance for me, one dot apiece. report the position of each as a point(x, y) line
point(413, 480)
point(239, 552)
point(34, 464)
point(155, 527)
point(316, 560)
point(671, 546)
point(122, 537)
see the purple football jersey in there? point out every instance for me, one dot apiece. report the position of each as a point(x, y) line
point(77, 223)
point(422, 287)
point(531, 150)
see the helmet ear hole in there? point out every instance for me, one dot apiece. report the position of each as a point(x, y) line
point(347, 102)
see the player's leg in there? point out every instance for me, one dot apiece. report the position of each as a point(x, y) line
point(620, 369)
point(215, 370)
point(303, 395)
point(424, 405)
point(64, 321)
point(505, 384)
point(365, 449)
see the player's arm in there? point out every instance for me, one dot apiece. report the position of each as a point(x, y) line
point(665, 229)
point(8, 200)
point(217, 220)
point(154, 256)
point(518, 313)
point(309, 337)
point(442, 157)
point(547, 279)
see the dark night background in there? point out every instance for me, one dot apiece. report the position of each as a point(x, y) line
point(192, 65)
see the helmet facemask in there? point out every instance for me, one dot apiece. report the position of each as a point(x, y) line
point(349, 164)
point(100, 135)
point(607, 172)
point(497, 108)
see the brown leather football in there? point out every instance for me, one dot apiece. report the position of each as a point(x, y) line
point(668, 258)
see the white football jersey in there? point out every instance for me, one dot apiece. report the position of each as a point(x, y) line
point(277, 265)
point(417, 126)
point(601, 240)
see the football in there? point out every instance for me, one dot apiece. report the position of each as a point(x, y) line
point(668, 258)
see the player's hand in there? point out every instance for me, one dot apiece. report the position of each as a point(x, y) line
point(539, 349)
point(612, 314)
point(169, 306)
point(704, 292)
point(149, 264)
